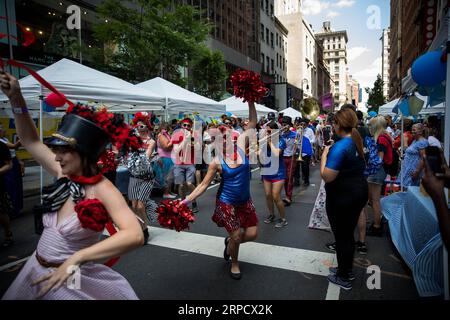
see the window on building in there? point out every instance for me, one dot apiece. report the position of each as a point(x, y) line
point(271, 10)
point(271, 40)
point(276, 40)
point(267, 64)
point(267, 36)
point(262, 31)
point(272, 66)
point(262, 5)
point(267, 6)
point(278, 61)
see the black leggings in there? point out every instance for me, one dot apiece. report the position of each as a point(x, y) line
point(344, 204)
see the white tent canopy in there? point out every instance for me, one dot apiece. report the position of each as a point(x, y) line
point(387, 108)
point(240, 109)
point(291, 113)
point(178, 99)
point(81, 83)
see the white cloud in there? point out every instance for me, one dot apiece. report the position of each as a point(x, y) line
point(344, 3)
point(355, 52)
point(333, 14)
point(366, 77)
point(314, 7)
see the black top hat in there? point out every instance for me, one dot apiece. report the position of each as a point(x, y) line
point(81, 134)
point(271, 115)
point(287, 120)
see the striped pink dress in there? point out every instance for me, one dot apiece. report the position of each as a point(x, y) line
point(58, 243)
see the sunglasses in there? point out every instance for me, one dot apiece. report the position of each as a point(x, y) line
point(186, 125)
point(227, 123)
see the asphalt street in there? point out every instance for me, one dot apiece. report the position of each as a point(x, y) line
point(287, 263)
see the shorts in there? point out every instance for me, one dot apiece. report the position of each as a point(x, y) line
point(184, 173)
point(273, 180)
point(233, 217)
point(378, 178)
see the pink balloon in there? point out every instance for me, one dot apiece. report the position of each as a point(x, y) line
point(54, 100)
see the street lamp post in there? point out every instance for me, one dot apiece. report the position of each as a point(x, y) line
point(307, 85)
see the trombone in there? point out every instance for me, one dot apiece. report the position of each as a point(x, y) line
point(299, 144)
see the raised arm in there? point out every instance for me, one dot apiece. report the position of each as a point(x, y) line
point(252, 117)
point(25, 126)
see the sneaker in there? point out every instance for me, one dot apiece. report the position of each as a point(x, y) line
point(270, 218)
point(194, 207)
point(375, 232)
point(351, 275)
point(169, 196)
point(331, 246)
point(281, 223)
point(361, 247)
point(342, 283)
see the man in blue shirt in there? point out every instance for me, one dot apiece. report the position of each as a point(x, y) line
point(307, 153)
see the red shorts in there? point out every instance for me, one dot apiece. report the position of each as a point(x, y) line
point(234, 217)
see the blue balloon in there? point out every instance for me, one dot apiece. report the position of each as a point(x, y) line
point(428, 70)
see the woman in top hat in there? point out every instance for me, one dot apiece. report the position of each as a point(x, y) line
point(78, 207)
point(234, 207)
point(142, 180)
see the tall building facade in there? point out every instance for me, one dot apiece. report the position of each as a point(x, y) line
point(236, 30)
point(415, 25)
point(385, 49)
point(335, 55)
point(323, 74)
point(285, 7)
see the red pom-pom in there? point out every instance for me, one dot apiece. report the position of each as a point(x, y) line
point(55, 101)
point(173, 214)
point(248, 85)
point(92, 214)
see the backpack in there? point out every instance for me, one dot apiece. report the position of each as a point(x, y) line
point(373, 161)
point(393, 168)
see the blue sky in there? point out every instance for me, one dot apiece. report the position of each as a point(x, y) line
point(364, 21)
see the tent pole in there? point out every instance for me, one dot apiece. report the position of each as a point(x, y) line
point(402, 139)
point(446, 153)
point(166, 114)
point(41, 136)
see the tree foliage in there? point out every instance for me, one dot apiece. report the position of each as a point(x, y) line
point(376, 96)
point(148, 38)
